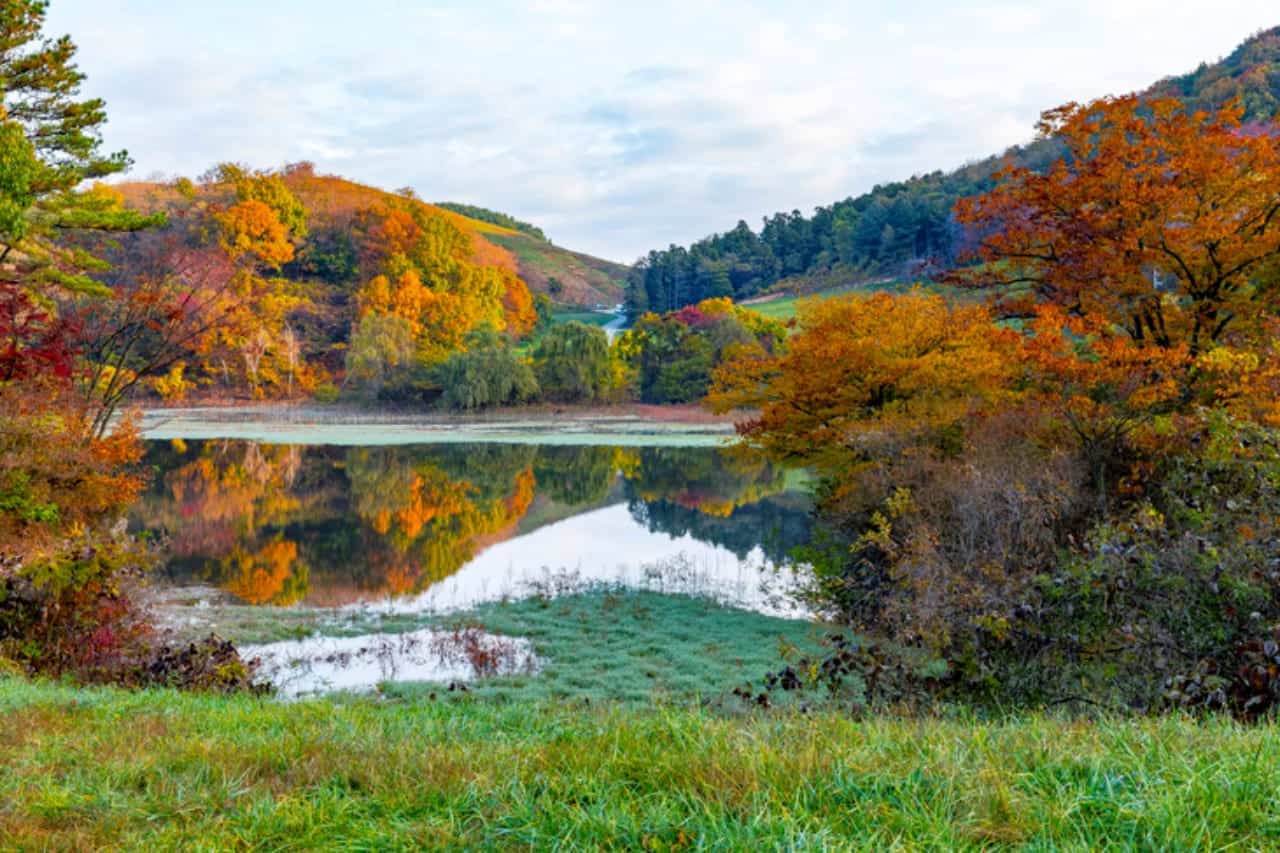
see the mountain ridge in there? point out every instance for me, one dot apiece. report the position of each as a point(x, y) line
point(905, 228)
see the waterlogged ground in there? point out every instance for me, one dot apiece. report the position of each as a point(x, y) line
point(323, 664)
point(395, 548)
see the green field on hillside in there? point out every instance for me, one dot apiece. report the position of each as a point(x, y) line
point(785, 308)
point(591, 318)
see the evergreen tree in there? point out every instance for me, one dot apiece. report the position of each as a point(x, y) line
point(50, 145)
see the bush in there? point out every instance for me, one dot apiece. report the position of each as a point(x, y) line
point(1001, 563)
point(69, 574)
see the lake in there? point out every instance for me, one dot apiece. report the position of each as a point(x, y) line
point(446, 527)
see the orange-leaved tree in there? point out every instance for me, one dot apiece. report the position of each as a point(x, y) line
point(866, 368)
point(1159, 225)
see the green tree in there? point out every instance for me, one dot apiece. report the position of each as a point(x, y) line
point(50, 144)
point(381, 355)
point(572, 363)
point(487, 374)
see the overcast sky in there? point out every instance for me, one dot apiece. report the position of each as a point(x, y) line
point(619, 126)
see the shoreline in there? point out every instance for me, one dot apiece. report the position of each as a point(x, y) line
point(634, 425)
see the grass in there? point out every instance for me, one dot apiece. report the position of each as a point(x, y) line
point(102, 769)
point(785, 309)
point(600, 645)
point(591, 318)
point(635, 647)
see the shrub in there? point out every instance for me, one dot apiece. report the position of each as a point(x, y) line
point(1003, 564)
point(70, 576)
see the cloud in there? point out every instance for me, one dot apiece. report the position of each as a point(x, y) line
point(619, 127)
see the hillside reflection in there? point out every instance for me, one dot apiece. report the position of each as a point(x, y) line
point(277, 525)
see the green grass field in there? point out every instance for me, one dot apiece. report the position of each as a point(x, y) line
point(784, 309)
point(104, 769)
point(625, 742)
point(591, 318)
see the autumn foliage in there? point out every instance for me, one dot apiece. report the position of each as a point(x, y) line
point(1017, 487)
point(858, 369)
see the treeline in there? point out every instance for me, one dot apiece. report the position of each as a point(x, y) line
point(906, 228)
point(901, 229)
point(668, 358)
point(493, 217)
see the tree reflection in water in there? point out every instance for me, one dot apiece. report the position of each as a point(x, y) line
point(276, 525)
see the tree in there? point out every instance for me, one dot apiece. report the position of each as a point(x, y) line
point(860, 369)
point(49, 146)
point(572, 363)
point(174, 305)
point(253, 228)
point(1161, 221)
point(270, 189)
point(381, 353)
point(33, 343)
point(487, 374)
point(673, 355)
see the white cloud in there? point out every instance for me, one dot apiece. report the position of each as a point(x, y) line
point(619, 127)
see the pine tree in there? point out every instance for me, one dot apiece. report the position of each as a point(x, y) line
point(50, 146)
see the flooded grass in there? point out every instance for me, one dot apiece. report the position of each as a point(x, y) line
point(102, 769)
point(626, 645)
point(592, 643)
point(453, 656)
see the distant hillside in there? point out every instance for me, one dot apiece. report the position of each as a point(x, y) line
point(571, 278)
point(568, 277)
point(332, 201)
point(903, 229)
point(493, 217)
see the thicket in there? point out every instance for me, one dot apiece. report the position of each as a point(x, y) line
point(1066, 496)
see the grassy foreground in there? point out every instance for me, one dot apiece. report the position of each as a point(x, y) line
point(94, 769)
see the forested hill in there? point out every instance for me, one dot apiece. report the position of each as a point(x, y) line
point(329, 252)
point(903, 228)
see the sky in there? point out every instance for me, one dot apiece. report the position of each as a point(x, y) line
point(619, 127)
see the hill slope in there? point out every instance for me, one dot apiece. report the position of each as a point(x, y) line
point(583, 280)
point(905, 228)
point(568, 277)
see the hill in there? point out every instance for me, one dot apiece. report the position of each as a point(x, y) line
point(569, 278)
point(904, 229)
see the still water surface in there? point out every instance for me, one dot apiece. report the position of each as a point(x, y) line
point(445, 527)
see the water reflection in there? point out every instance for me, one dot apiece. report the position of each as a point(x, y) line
point(454, 524)
point(319, 665)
